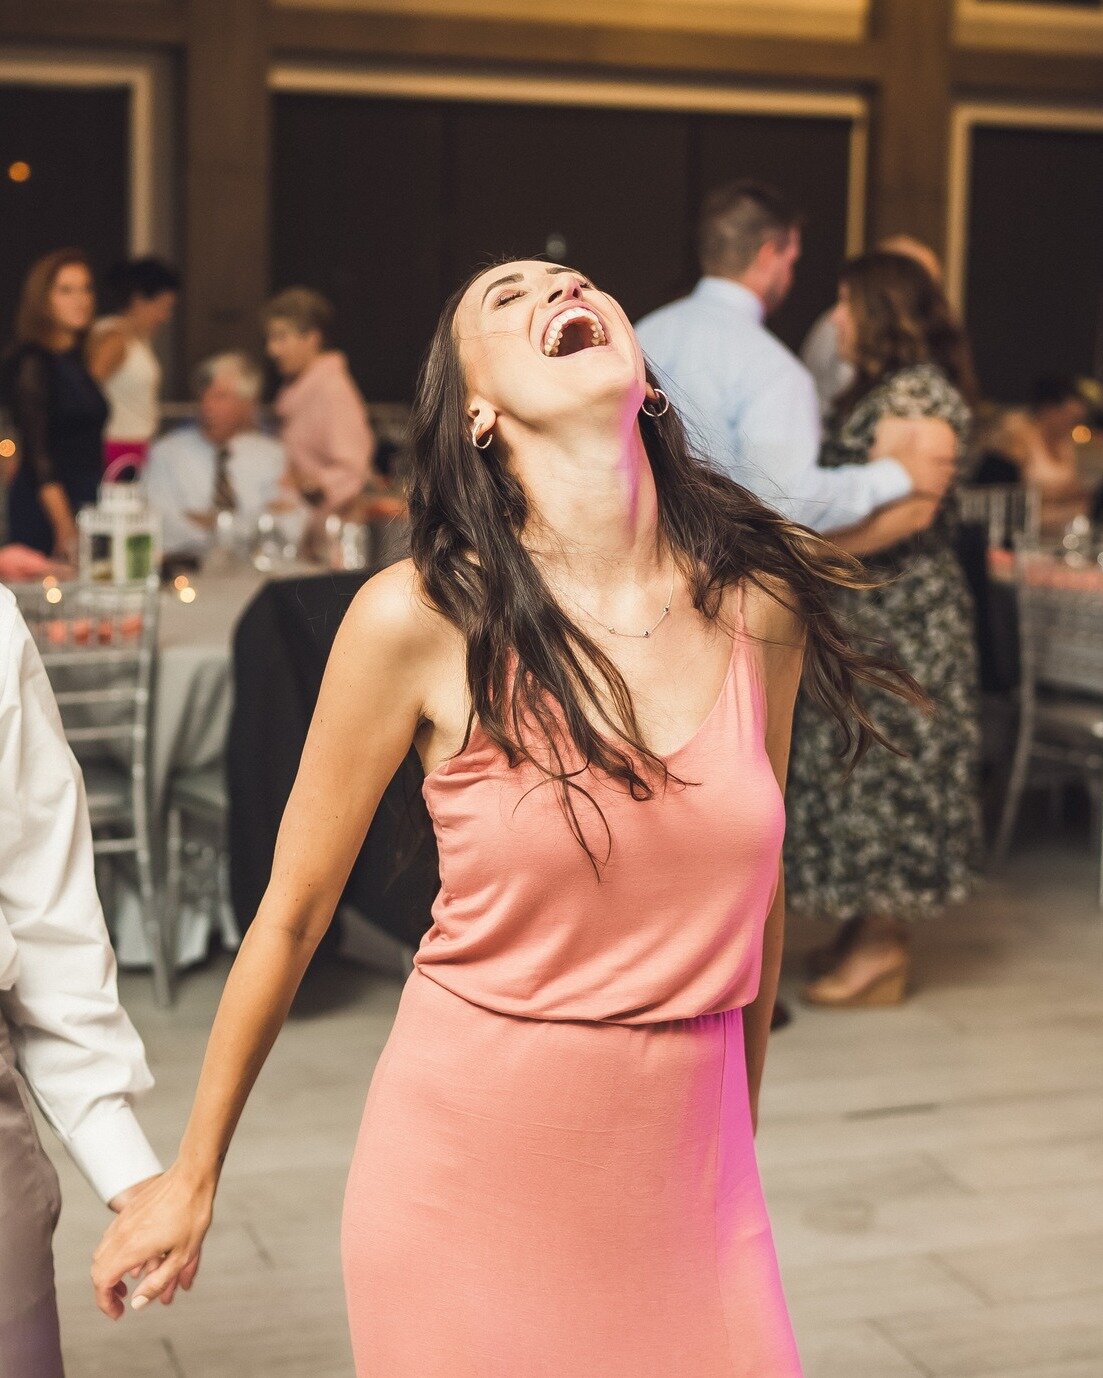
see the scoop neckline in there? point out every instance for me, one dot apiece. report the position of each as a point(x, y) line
point(443, 768)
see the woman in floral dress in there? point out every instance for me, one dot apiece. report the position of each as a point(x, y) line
point(894, 841)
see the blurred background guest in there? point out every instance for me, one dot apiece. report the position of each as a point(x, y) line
point(749, 399)
point(121, 356)
point(832, 373)
point(56, 405)
point(323, 417)
point(224, 463)
point(896, 839)
point(1039, 445)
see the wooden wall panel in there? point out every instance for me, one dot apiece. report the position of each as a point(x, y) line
point(226, 167)
point(911, 120)
point(905, 62)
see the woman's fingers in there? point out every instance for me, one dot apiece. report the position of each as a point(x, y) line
point(153, 1285)
point(155, 1240)
point(117, 1257)
point(187, 1275)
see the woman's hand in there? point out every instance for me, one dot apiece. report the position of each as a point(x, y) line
point(157, 1238)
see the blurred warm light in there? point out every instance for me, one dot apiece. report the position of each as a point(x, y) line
point(50, 581)
point(1081, 434)
point(20, 172)
point(180, 582)
point(7, 448)
point(53, 595)
point(187, 594)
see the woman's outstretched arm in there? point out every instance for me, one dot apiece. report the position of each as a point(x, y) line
point(368, 711)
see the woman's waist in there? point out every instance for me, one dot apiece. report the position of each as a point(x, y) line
point(577, 1091)
point(449, 1025)
point(671, 987)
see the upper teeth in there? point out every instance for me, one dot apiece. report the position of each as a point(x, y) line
point(554, 333)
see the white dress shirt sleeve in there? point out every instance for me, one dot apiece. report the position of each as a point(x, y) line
point(778, 442)
point(75, 1045)
point(170, 481)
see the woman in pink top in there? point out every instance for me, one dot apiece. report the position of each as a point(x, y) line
point(323, 418)
point(595, 650)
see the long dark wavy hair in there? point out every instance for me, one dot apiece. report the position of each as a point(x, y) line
point(902, 318)
point(532, 672)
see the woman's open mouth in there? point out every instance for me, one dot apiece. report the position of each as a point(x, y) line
point(573, 330)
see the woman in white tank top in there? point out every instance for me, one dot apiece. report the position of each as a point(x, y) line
point(121, 356)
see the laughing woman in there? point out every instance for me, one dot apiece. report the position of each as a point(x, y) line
point(595, 649)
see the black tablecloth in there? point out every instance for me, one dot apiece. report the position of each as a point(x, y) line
point(280, 651)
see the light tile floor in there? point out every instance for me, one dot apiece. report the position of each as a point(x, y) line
point(934, 1173)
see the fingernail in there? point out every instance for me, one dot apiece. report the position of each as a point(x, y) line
point(139, 1302)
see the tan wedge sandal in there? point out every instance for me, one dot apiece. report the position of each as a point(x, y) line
point(888, 988)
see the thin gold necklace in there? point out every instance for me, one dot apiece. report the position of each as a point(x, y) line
point(639, 636)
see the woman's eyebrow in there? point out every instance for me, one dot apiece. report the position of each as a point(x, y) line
point(501, 282)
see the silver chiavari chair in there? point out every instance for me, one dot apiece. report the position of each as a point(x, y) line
point(1060, 722)
point(97, 643)
point(1006, 511)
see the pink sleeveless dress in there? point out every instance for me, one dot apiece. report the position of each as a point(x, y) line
point(555, 1175)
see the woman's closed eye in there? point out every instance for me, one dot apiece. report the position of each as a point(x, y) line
point(507, 297)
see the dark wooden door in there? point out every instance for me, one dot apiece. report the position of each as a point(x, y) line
point(76, 142)
point(1034, 276)
point(386, 205)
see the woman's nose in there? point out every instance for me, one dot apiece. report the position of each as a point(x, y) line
point(567, 286)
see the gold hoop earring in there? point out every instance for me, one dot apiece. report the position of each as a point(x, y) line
point(488, 437)
point(660, 411)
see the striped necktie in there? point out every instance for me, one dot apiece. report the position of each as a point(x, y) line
point(225, 499)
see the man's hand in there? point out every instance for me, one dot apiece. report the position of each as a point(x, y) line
point(924, 446)
point(122, 1199)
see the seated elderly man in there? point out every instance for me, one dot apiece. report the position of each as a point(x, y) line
point(224, 463)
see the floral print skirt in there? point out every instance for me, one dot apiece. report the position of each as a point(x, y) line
point(899, 836)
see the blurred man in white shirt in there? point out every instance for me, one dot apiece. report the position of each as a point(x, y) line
point(64, 1038)
point(748, 401)
point(223, 464)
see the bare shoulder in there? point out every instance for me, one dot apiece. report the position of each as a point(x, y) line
point(397, 646)
point(393, 616)
point(771, 613)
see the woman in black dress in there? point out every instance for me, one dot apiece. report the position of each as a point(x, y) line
point(878, 850)
point(58, 409)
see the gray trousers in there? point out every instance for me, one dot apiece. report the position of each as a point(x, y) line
point(30, 1203)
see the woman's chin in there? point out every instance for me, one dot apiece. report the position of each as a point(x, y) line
point(600, 373)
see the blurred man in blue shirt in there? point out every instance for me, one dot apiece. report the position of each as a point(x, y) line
point(748, 401)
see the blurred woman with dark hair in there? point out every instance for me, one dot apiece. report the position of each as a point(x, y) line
point(595, 650)
point(121, 356)
point(56, 404)
point(897, 838)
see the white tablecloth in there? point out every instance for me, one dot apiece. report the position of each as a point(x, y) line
point(192, 700)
